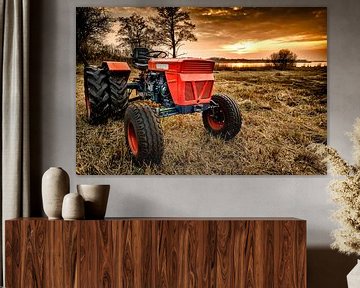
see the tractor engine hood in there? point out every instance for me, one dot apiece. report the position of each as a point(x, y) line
point(190, 80)
point(183, 65)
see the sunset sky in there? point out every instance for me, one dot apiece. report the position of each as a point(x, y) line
point(243, 32)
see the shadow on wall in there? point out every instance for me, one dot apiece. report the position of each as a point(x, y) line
point(328, 268)
point(35, 104)
point(138, 207)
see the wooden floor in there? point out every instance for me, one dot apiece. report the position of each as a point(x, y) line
point(156, 253)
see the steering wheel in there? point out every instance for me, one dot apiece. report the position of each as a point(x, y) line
point(158, 54)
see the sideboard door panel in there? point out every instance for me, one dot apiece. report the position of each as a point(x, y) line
point(155, 253)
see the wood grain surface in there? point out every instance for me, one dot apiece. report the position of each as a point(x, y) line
point(156, 253)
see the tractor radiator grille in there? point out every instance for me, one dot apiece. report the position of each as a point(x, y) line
point(207, 91)
point(199, 86)
point(203, 90)
point(189, 94)
point(197, 66)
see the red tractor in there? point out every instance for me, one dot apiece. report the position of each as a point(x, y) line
point(176, 86)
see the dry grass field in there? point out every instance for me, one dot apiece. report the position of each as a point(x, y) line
point(283, 112)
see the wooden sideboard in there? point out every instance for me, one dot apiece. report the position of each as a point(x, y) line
point(156, 252)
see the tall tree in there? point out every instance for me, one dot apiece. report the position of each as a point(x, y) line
point(91, 25)
point(173, 27)
point(283, 59)
point(135, 31)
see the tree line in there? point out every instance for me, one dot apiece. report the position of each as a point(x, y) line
point(168, 29)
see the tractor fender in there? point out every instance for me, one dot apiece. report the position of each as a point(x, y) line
point(113, 66)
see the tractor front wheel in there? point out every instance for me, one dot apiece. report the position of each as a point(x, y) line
point(143, 134)
point(224, 118)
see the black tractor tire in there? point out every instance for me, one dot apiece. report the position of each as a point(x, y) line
point(119, 95)
point(97, 96)
point(225, 120)
point(143, 134)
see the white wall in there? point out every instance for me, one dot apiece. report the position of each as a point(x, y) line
point(53, 126)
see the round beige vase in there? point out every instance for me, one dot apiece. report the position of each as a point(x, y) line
point(73, 207)
point(55, 185)
point(96, 198)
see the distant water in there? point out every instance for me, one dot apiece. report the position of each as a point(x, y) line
point(262, 64)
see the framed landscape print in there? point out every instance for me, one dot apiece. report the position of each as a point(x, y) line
point(200, 91)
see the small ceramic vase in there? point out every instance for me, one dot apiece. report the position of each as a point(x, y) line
point(353, 278)
point(73, 207)
point(55, 185)
point(95, 197)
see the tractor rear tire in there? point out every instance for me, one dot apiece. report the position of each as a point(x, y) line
point(97, 97)
point(225, 120)
point(143, 134)
point(119, 95)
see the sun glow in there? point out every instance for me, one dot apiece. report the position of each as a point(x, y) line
point(240, 47)
point(291, 42)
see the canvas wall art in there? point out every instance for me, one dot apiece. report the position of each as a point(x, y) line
point(200, 91)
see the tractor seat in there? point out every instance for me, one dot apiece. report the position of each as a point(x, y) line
point(140, 58)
